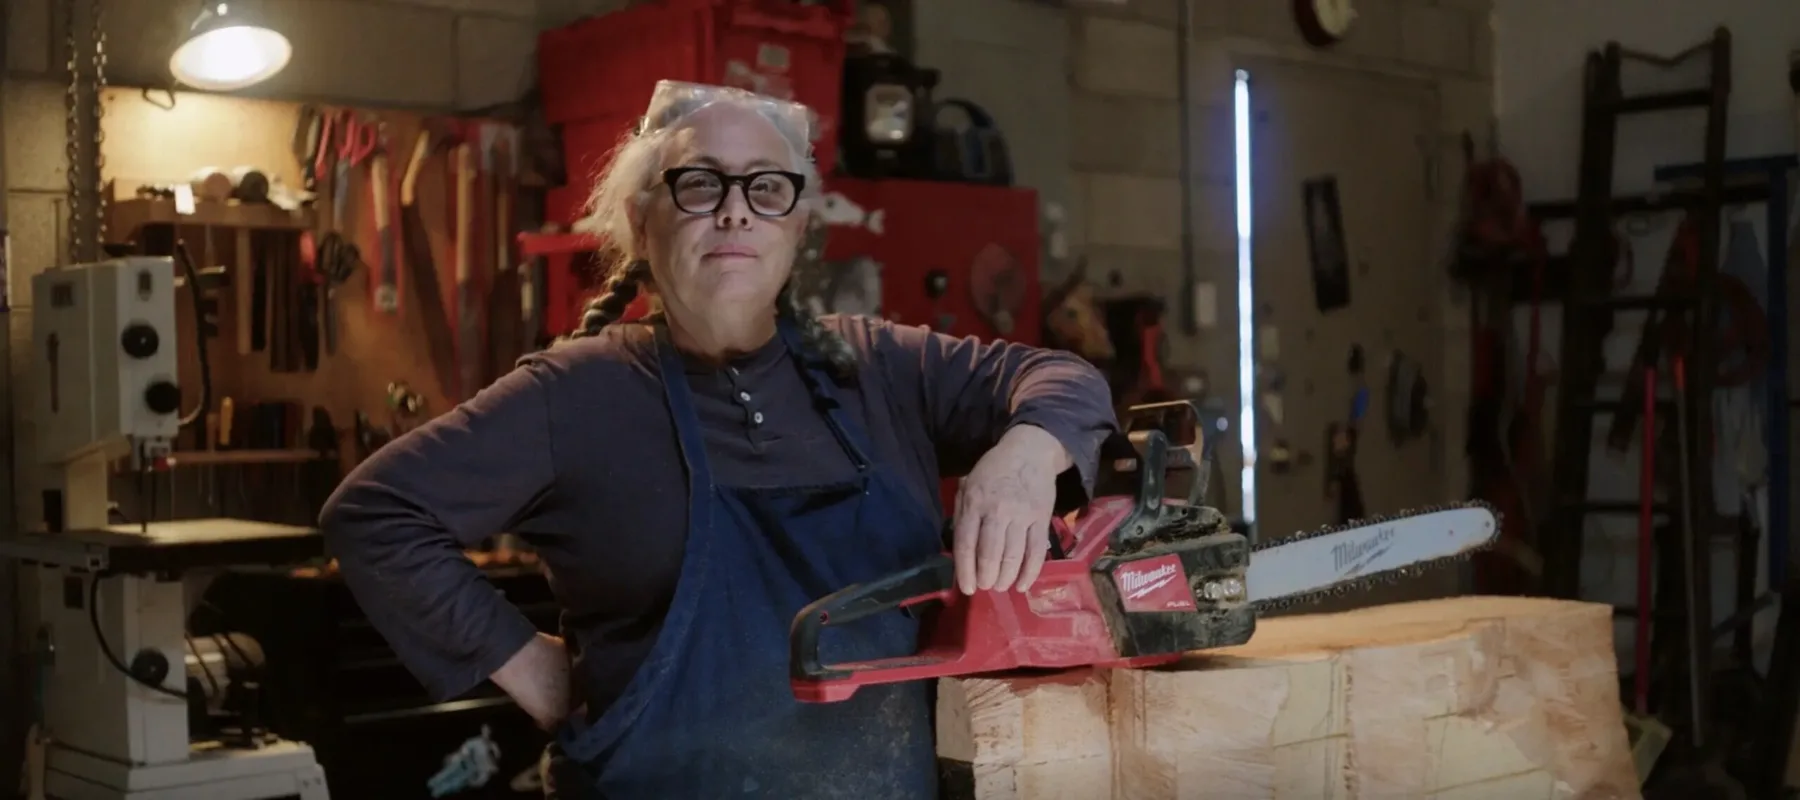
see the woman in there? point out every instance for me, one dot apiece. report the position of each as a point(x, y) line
point(691, 483)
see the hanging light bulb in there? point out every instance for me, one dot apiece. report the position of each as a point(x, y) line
point(227, 49)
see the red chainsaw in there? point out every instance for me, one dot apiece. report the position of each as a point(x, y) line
point(1137, 579)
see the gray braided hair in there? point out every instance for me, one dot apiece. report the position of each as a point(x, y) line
point(606, 308)
point(627, 184)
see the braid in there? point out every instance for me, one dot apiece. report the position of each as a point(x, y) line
point(820, 342)
point(621, 289)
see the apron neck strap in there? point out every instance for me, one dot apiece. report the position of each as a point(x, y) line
point(825, 396)
point(812, 371)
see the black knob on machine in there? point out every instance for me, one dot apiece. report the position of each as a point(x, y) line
point(937, 283)
point(139, 340)
point(163, 397)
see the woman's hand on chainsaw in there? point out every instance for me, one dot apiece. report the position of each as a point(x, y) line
point(1003, 510)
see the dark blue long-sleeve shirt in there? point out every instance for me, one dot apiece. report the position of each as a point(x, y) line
point(575, 452)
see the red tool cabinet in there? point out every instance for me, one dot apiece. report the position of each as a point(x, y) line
point(596, 75)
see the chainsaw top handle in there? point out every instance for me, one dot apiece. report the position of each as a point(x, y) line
point(1159, 439)
point(933, 580)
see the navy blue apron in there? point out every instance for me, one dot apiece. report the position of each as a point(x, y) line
point(710, 713)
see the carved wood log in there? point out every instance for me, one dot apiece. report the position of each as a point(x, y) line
point(1035, 737)
point(1456, 699)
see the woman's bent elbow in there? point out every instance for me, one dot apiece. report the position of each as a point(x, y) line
point(353, 523)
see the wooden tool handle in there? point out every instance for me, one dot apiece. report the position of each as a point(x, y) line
point(503, 166)
point(36, 761)
point(243, 284)
point(465, 210)
point(227, 410)
point(409, 183)
point(378, 187)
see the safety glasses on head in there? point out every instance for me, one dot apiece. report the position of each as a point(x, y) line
point(674, 100)
point(704, 190)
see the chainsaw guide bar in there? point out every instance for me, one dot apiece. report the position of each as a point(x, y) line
point(1380, 577)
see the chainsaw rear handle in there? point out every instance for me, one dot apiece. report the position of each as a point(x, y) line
point(933, 580)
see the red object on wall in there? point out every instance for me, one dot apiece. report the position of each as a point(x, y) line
point(948, 228)
point(596, 75)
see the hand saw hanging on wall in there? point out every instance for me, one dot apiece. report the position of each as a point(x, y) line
point(1136, 580)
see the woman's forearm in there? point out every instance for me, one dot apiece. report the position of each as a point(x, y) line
point(1055, 454)
point(537, 679)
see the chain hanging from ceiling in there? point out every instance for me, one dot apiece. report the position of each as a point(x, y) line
point(86, 169)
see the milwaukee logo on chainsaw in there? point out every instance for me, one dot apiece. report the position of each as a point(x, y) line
point(1351, 558)
point(1154, 584)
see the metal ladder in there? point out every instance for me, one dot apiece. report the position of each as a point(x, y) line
point(1589, 309)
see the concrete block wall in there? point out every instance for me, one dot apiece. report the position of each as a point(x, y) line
point(1124, 154)
point(1012, 58)
point(431, 54)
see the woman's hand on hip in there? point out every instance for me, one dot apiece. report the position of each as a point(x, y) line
point(1003, 510)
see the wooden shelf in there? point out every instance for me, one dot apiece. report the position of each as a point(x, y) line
point(209, 458)
point(126, 217)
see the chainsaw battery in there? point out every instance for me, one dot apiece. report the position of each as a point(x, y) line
point(1153, 599)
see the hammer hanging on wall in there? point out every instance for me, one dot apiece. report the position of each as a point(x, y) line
point(243, 286)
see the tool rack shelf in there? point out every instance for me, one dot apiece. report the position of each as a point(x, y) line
point(125, 218)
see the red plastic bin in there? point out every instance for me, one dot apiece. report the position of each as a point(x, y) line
point(563, 205)
point(588, 145)
point(602, 70)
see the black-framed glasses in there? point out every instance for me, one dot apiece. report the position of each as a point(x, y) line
point(702, 190)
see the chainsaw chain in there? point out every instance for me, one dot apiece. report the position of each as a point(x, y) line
point(1379, 578)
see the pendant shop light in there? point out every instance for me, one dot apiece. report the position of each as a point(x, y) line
point(228, 48)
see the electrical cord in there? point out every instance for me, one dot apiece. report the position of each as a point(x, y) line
point(212, 681)
point(193, 283)
point(224, 640)
point(107, 651)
